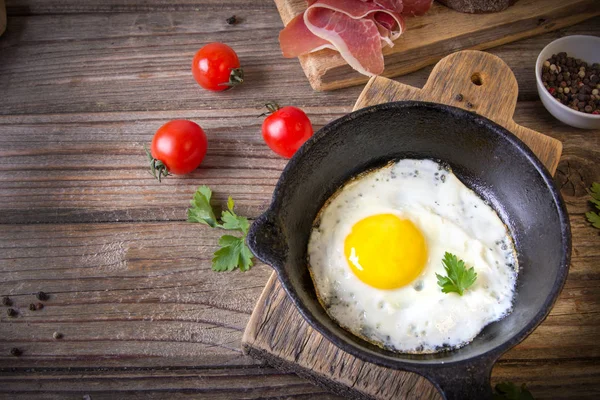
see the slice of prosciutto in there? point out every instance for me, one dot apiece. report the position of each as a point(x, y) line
point(357, 29)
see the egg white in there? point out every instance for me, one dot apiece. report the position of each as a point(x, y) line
point(418, 317)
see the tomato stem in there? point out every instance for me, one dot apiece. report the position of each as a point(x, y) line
point(157, 168)
point(271, 107)
point(236, 77)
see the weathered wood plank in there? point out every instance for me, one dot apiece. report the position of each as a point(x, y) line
point(252, 382)
point(122, 295)
point(33, 7)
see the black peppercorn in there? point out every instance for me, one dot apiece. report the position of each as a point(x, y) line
point(41, 296)
point(231, 20)
point(32, 307)
point(11, 312)
point(15, 352)
point(6, 301)
point(459, 97)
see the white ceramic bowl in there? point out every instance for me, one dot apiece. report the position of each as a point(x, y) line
point(586, 48)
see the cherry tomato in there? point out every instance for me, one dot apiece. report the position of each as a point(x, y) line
point(178, 147)
point(216, 67)
point(286, 129)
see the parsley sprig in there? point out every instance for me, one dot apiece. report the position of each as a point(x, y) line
point(458, 278)
point(510, 391)
point(233, 252)
point(594, 217)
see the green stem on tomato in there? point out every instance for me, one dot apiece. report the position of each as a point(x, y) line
point(157, 168)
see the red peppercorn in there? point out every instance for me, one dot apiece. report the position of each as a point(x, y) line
point(552, 90)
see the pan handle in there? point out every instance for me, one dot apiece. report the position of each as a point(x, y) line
point(267, 241)
point(467, 381)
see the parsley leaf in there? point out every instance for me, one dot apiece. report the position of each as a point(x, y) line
point(510, 391)
point(201, 210)
point(232, 221)
point(233, 252)
point(594, 217)
point(458, 276)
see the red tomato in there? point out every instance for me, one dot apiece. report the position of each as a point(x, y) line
point(180, 145)
point(217, 67)
point(286, 129)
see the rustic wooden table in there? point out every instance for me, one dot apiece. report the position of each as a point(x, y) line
point(83, 86)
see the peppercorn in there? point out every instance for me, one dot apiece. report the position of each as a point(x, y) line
point(6, 301)
point(32, 307)
point(469, 104)
point(11, 312)
point(57, 335)
point(15, 352)
point(459, 97)
point(41, 296)
point(39, 306)
point(231, 20)
point(572, 81)
point(588, 109)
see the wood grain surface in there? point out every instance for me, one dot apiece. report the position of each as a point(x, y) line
point(440, 32)
point(2, 17)
point(487, 86)
point(83, 86)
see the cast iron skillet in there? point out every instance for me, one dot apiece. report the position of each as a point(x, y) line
point(488, 159)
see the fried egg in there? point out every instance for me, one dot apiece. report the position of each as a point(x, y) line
point(378, 242)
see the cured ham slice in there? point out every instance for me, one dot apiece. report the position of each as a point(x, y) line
point(416, 7)
point(358, 29)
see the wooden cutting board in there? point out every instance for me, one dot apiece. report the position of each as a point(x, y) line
point(277, 333)
point(440, 32)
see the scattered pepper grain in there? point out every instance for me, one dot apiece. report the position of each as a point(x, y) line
point(57, 335)
point(41, 296)
point(6, 301)
point(11, 312)
point(15, 352)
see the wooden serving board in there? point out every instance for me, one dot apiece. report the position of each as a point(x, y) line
point(277, 333)
point(440, 32)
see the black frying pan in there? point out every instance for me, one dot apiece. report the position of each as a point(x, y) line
point(488, 159)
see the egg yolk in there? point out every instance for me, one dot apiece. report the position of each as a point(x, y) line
point(385, 251)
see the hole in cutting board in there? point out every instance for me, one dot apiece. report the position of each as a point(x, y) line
point(476, 79)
